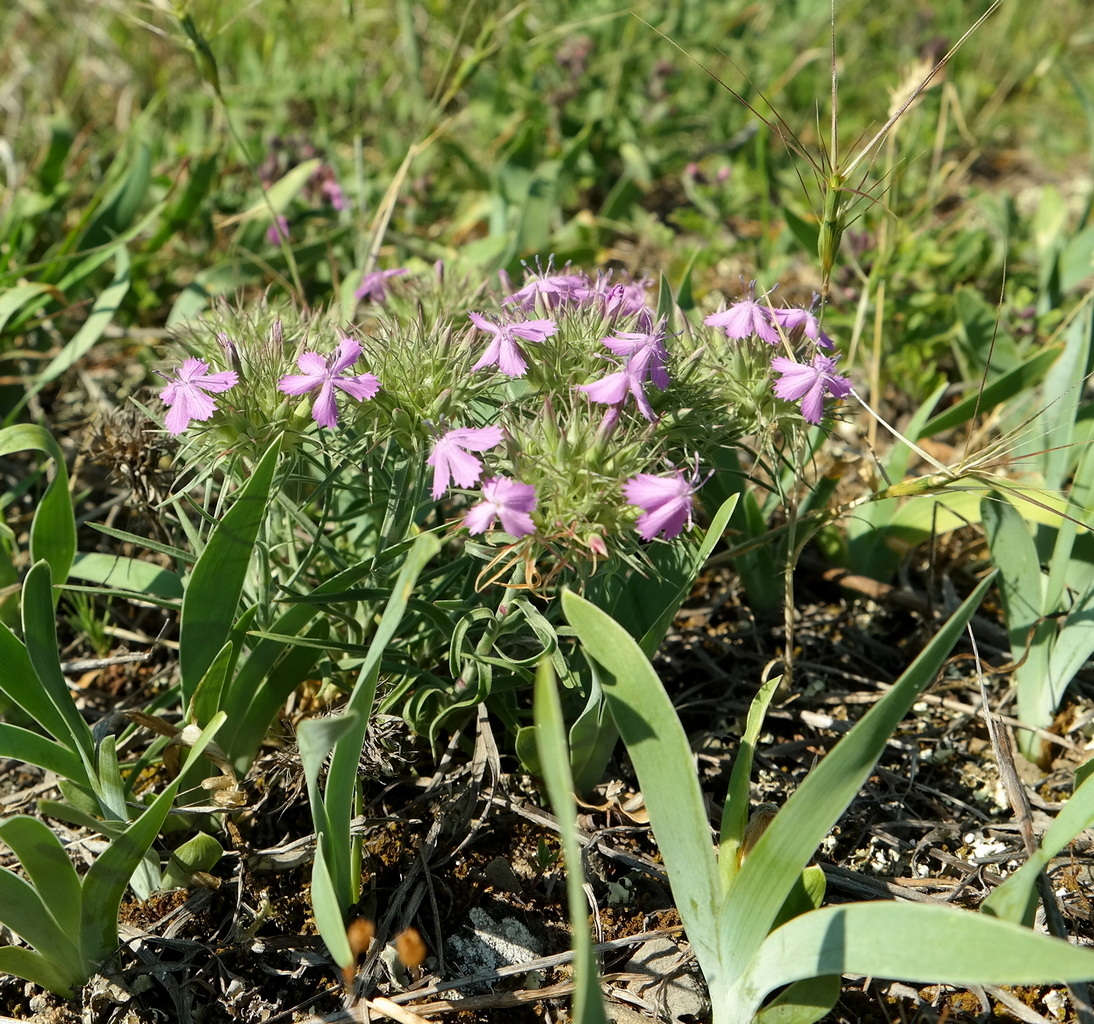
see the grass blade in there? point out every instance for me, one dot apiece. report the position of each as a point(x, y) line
point(216, 584)
point(53, 531)
point(776, 861)
point(659, 749)
point(554, 758)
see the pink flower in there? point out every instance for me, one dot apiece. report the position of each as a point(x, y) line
point(802, 321)
point(504, 351)
point(613, 389)
point(327, 375)
point(554, 289)
point(278, 230)
point(506, 500)
point(373, 286)
point(745, 318)
point(450, 459)
point(647, 352)
point(665, 502)
point(808, 382)
point(622, 299)
point(186, 396)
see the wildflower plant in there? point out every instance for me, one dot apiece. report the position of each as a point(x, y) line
point(752, 906)
point(555, 433)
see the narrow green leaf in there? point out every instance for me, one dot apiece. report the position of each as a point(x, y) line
point(126, 574)
point(662, 758)
point(1021, 587)
point(287, 674)
point(342, 776)
point(105, 881)
point(53, 530)
point(776, 862)
point(48, 869)
point(216, 584)
point(803, 1002)
point(330, 914)
point(1016, 898)
point(14, 299)
point(20, 686)
point(198, 853)
point(34, 748)
point(554, 759)
point(101, 316)
point(686, 574)
point(735, 814)
point(1014, 382)
point(206, 701)
point(40, 632)
point(937, 944)
point(109, 785)
point(26, 963)
point(24, 911)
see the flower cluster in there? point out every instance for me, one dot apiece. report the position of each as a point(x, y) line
point(506, 407)
point(556, 291)
point(187, 393)
point(806, 381)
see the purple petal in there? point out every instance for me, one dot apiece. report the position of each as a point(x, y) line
point(510, 358)
point(188, 405)
point(313, 364)
point(483, 324)
point(361, 387)
point(474, 439)
point(490, 356)
point(325, 411)
point(299, 384)
point(670, 518)
point(480, 518)
point(813, 402)
point(533, 330)
point(510, 493)
point(345, 355)
point(610, 390)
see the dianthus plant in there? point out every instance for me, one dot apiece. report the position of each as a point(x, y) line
point(561, 432)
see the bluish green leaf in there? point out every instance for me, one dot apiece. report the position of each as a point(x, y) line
point(554, 758)
point(106, 879)
point(662, 758)
point(1016, 898)
point(803, 1002)
point(216, 584)
point(131, 575)
point(937, 944)
point(26, 963)
point(53, 530)
point(34, 748)
point(48, 868)
point(327, 904)
point(40, 632)
point(791, 839)
point(24, 911)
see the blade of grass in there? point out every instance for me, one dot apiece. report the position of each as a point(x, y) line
point(216, 584)
point(554, 758)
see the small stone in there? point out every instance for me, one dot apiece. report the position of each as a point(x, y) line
point(676, 990)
